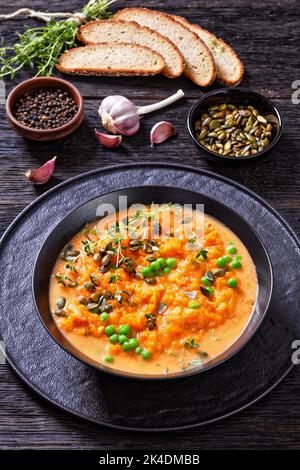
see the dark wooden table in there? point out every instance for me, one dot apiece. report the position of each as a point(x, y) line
point(266, 36)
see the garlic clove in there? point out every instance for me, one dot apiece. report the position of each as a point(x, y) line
point(161, 132)
point(107, 140)
point(42, 174)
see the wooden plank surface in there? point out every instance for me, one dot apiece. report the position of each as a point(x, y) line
point(265, 34)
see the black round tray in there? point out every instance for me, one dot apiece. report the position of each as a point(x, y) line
point(135, 404)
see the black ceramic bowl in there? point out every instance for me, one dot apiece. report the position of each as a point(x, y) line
point(235, 96)
point(73, 223)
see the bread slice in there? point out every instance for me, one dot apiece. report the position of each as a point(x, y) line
point(230, 69)
point(113, 59)
point(130, 32)
point(199, 62)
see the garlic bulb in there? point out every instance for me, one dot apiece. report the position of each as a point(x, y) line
point(121, 116)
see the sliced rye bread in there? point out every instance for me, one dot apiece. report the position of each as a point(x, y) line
point(230, 69)
point(112, 59)
point(95, 32)
point(199, 62)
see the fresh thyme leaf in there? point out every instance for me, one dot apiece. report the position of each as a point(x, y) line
point(89, 246)
point(202, 254)
point(114, 278)
point(88, 230)
point(191, 344)
point(41, 47)
point(63, 280)
point(118, 295)
point(71, 266)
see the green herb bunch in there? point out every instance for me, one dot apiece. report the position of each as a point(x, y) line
point(39, 48)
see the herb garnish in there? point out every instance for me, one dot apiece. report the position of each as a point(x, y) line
point(114, 278)
point(191, 344)
point(62, 280)
point(41, 47)
point(201, 255)
point(89, 246)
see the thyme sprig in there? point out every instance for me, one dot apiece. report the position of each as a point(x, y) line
point(41, 47)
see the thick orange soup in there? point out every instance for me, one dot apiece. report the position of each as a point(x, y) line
point(146, 297)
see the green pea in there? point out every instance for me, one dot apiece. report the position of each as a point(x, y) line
point(231, 249)
point(235, 264)
point(114, 339)
point(167, 270)
point(126, 346)
point(109, 359)
point(232, 282)
point(238, 257)
point(162, 262)
point(145, 354)
point(171, 262)
point(122, 339)
point(227, 257)
point(147, 272)
point(104, 317)
point(194, 304)
point(206, 281)
point(124, 330)
point(133, 343)
point(210, 290)
point(155, 266)
point(110, 330)
point(138, 350)
point(221, 262)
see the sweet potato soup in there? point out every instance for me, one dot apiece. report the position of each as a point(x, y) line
point(146, 297)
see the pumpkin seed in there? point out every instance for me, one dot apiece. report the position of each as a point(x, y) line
point(202, 134)
point(213, 124)
point(89, 286)
point(209, 275)
point(206, 121)
point(150, 280)
point(60, 312)
point(104, 269)
point(219, 272)
point(106, 260)
point(61, 302)
point(106, 308)
point(73, 284)
point(234, 130)
point(82, 300)
point(135, 243)
point(94, 279)
point(94, 297)
point(93, 307)
point(97, 257)
point(205, 291)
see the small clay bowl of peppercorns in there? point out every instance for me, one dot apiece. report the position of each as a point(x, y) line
point(44, 108)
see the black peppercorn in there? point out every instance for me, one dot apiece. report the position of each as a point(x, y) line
point(49, 108)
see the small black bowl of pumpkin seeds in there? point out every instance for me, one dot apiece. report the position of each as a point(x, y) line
point(234, 124)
